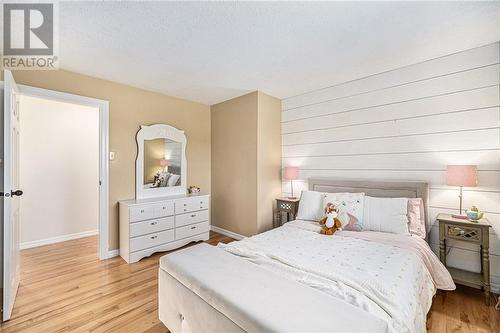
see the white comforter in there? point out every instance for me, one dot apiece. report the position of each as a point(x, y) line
point(393, 277)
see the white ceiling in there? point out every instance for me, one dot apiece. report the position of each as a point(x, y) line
point(210, 52)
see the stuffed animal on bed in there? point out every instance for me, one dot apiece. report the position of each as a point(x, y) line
point(330, 223)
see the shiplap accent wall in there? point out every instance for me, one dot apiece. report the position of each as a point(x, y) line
point(408, 124)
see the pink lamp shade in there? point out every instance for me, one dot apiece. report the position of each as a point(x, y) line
point(163, 162)
point(461, 175)
point(290, 173)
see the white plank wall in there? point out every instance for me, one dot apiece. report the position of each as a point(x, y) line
point(408, 124)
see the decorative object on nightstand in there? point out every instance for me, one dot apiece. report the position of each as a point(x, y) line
point(474, 214)
point(287, 207)
point(451, 228)
point(461, 175)
point(291, 173)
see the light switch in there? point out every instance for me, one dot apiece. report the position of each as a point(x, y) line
point(111, 155)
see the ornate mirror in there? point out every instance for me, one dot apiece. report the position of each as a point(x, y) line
point(161, 162)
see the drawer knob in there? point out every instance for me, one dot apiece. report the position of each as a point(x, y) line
point(185, 209)
point(142, 210)
point(193, 215)
point(154, 223)
point(164, 208)
point(193, 227)
point(201, 202)
point(154, 237)
point(185, 205)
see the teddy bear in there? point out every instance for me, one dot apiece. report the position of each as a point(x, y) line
point(330, 223)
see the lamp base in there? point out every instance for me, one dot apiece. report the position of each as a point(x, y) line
point(458, 216)
point(292, 198)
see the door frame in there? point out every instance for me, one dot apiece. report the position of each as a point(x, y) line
point(103, 106)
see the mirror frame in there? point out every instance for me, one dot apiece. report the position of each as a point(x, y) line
point(151, 132)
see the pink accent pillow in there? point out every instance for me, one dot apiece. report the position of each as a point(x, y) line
point(416, 217)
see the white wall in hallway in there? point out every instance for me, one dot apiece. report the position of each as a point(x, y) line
point(408, 124)
point(59, 171)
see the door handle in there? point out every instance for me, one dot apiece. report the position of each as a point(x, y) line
point(16, 192)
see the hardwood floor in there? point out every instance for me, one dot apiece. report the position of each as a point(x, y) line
point(65, 288)
point(462, 310)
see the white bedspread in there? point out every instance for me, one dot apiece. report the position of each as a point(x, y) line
point(383, 274)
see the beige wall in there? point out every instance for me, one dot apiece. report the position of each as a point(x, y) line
point(234, 161)
point(246, 158)
point(60, 178)
point(268, 158)
point(129, 108)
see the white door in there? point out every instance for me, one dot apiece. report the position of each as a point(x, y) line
point(11, 270)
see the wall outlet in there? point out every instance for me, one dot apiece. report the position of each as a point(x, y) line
point(112, 155)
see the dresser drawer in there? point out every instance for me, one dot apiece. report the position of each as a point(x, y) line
point(165, 208)
point(191, 230)
point(146, 241)
point(191, 204)
point(147, 227)
point(190, 218)
point(141, 213)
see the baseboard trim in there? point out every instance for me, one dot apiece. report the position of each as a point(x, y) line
point(226, 232)
point(113, 253)
point(58, 239)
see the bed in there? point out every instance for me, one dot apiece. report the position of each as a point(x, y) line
point(292, 279)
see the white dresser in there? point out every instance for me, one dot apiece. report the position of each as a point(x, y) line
point(162, 224)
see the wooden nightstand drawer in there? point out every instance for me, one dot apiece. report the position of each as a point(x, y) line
point(287, 206)
point(463, 233)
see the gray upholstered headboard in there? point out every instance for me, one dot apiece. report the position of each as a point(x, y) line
point(376, 188)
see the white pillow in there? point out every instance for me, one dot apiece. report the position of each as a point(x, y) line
point(164, 178)
point(416, 217)
point(173, 180)
point(386, 215)
point(310, 206)
point(350, 207)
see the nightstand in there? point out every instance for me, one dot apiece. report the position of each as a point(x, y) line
point(287, 207)
point(473, 232)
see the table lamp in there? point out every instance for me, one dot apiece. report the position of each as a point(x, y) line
point(461, 175)
point(291, 173)
point(164, 164)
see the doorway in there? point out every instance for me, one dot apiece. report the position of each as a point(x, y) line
point(103, 168)
point(59, 171)
point(13, 96)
